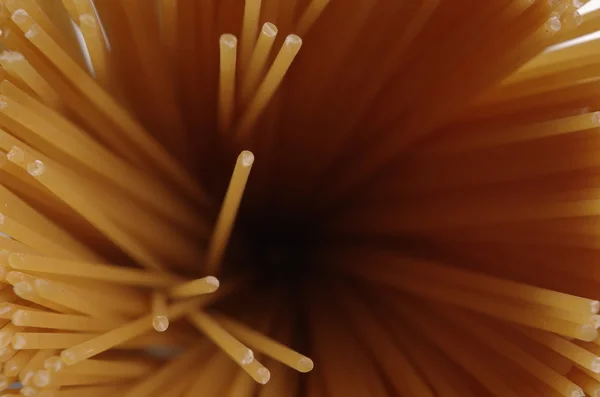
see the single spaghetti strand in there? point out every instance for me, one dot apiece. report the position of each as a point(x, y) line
point(228, 45)
point(205, 285)
point(258, 372)
point(249, 31)
point(227, 215)
point(57, 321)
point(160, 321)
point(257, 63)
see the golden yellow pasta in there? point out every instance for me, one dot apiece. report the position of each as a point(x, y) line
point(308, 198)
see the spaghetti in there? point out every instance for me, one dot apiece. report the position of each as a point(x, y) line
point(269, 198)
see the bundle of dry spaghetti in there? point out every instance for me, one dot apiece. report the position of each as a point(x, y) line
point(198, 196)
